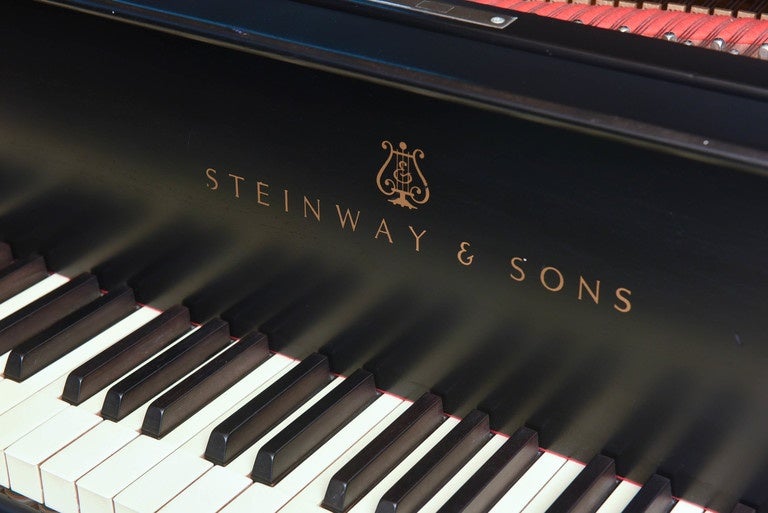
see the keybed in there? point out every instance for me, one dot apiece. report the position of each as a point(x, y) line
point(74, 458)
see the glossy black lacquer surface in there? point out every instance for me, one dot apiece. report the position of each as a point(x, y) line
point(195, 172)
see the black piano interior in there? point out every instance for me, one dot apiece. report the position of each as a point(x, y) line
point(545, 225)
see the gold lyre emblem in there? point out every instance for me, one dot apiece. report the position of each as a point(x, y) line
point(400, 176)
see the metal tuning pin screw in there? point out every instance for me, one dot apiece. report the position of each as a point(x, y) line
point(763, 51)
point(718, 44)
point(670, 36)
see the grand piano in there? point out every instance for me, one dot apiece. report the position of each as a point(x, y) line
point(391, 256)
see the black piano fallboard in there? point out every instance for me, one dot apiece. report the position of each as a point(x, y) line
point(558, 230)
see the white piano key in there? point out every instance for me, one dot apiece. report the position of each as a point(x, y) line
point(61, 471)
point(34, 292)
point(526, 488)
point(371, 499)
point(187, 463)
point(3, 362)
point(212, 491)
point(97, 488)
point(299, 504)
point(13, 393)
point(161, 483)
point(686, 507)
point(447, 491)
point(24, 457)
point(552, 490)
point(266, 499)
point(22, 419)
point(220, 485)
point(315, 491)
point(619, 498)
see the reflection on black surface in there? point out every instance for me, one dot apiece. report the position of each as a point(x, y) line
point(649, 418)
point(685, 462)
point(394, 366)
point(473, 377)
point(583, 384)
point(170, 269)
point(756, 494)
point(271, 297)
point(160, 263)
point(226, 289)
point(507, 404)
point(368, 334)
point(289, 328)
point(120, 268)
point(63, 227)
point(12, 181)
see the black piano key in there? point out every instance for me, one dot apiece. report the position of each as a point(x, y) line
point(383, 453)
point(205, 384)
point(433, 470)
point(21, 275)
point(125, 354)
point(162, 371)
point(6, 256)
point(654, 497)
point(43, 312)
point(590, 488)
point(496, 476)
point(313, 428)
point(68, 333)
point(250, 422)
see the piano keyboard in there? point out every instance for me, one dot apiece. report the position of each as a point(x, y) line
point(127, 418)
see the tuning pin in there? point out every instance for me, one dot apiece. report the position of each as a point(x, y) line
point(717, 44)
point(670, 36)
point(624, 29)
point(763, 51)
